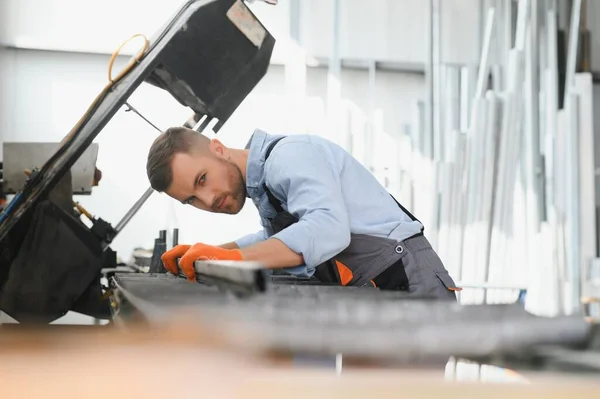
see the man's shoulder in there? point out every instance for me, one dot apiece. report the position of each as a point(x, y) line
point(298, 148)
point(296, 153)
point(299, 141)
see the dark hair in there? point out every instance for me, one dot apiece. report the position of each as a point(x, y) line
point(172, 141)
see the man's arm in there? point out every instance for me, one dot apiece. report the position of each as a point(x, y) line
point(300, 173)
point(229, 245)
point(246, 240)
point(273, 254)
point(270, 252)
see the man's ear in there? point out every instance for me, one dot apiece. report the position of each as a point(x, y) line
point(217, 148)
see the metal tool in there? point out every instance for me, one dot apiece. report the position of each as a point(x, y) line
point(131, 108)
point(242, 278)
point(160, 247)
point(175, 237)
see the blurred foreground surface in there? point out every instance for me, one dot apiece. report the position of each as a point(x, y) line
point(181, 359)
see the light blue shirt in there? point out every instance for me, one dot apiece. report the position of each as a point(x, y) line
point(328, 190)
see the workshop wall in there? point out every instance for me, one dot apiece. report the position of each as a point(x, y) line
point(385, 30)
point(391, 30)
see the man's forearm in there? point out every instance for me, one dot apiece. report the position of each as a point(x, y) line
point(229, 245)
point(273, 254)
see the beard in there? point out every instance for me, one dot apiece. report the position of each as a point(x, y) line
point(238, 192)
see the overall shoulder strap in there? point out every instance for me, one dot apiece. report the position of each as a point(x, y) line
point(272, 145)
point(275, 203)
point(410, 215)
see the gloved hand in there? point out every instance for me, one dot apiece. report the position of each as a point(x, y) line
point(190, 254)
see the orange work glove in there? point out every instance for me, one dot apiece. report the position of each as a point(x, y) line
point(169, 258)
point(198, 251)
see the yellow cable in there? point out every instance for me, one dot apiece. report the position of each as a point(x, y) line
point(131, 63)
point(83, 211)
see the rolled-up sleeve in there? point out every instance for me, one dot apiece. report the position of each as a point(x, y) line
point(250, 239)
point(300, 174)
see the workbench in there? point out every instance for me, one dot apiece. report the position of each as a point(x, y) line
point(366, 325)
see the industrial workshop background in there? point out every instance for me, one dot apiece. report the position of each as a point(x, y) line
point(501, 170)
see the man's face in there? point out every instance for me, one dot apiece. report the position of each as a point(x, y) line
point(208, 182)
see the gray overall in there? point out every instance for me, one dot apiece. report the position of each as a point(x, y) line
point(410, 265)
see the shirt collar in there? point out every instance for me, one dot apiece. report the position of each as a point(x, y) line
point(256, 159)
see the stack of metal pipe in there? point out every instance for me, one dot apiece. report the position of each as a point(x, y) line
point(503, 168)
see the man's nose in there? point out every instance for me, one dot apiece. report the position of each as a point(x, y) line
point(206, 198)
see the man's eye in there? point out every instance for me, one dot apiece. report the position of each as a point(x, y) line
point(203, 178)
point(190, 201)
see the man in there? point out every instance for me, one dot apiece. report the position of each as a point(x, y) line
point(324, 215)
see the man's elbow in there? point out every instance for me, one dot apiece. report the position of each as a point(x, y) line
point(338, 240)
point(345, 238)
point(324, 240)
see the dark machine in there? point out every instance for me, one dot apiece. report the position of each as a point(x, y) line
point(209, 56)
